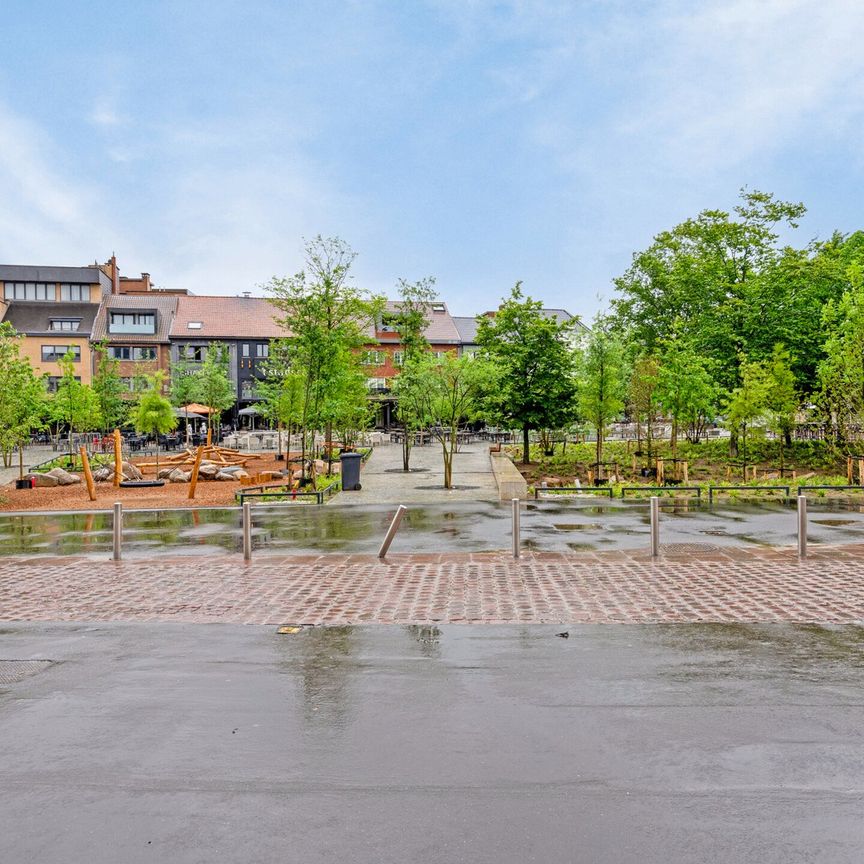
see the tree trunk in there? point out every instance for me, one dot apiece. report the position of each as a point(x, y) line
point(21, 461)
point(733, 443)
point(526, 447)
point(673, 438)
point(598, 451)
point(406, 448)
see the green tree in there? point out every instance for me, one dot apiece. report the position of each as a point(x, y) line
point(841, 373)
point(183, 387)
point(602, 384)
point(152, 413)
point(643, 397)
point(23, 400)
point(686, 390)
point(411, 322)
point(535, 362)
point(747, 404)
point(445, 393)
point(108, 388)
point(74, 404)
point(782, 399)
point(716, 277)
point(281, 391)
point(213, 385)
point(328, 320)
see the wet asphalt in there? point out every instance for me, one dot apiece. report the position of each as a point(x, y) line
point(205, 743)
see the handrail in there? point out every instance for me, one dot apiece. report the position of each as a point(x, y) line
point(711, 490)
point(844, 486)
point(696, 489)
point(606, 490)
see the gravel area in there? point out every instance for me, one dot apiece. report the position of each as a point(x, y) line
point(213, 492)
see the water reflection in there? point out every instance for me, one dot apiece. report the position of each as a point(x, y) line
point(552, 526)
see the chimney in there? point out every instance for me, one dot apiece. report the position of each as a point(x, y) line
point(247, 293)
point(145, 280)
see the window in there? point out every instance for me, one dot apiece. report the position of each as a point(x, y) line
point(132, 322)
point(373, 358)
point(128, 352)
point(54, 382)
point(470, 352)
point(377, 384)
point(194, 325)
point(134, 384)
point(439, 355)
point(262, 350)
point(248, 388)
point(53, 353)
point(245, 349)
point(77, 293)
point(438, 308)
point(398, 358)
point(29, 291)
point(65, 324)
point(193, 353)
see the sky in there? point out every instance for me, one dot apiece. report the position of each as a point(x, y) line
point(475, 141)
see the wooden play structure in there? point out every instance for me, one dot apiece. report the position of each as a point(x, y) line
point(186, 459)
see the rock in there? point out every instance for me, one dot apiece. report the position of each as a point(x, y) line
point(130, 472)
point(42, 480)
point(164, 473)
point(240, 475)
point(178, 476)
point(208, 471)
point(553, 482)
point(100, 475)
point(320, 466)
point(63, 477)
point(232, 469)
point(226, 475)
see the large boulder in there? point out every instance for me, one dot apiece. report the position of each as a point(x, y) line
point(178, 476)
point(40, 480)
point(64, 478)
point(164, 473)
point(226, 475)
point(130, 472)
point(100, 475)
point(208, 471)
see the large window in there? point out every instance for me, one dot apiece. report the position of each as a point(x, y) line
point(248, 388)
point(29, 291)
point(54, 382)
point(129, 352)
point(74, 292)
point(132, 322)
point(193, 353)
point(66, 324)
point(53, 353)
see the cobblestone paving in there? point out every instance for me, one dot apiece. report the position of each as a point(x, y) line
point(735, 586)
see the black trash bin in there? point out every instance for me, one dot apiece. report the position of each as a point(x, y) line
point(351, 471)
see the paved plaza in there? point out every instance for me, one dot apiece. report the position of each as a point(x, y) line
point(738, 585)
point(384, 481)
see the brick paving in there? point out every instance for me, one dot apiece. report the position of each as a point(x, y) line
point(730, 586)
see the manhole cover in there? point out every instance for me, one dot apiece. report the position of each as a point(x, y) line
point(689, 548)
point(13, 671)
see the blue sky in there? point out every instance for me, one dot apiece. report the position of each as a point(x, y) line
point(478, 142)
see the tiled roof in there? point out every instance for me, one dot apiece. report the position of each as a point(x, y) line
point(226, 318)
point(467, 328)
point(440, 330)
point(164, 306)
point(34, 319)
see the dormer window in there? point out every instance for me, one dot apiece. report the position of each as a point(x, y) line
point(195, 325)
point(132, 322)
point(66, 324)
point(438, 308)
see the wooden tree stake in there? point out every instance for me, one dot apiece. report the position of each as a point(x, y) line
point(686, 476)
point(88, 476)
point(193, 482)
point(118, 458)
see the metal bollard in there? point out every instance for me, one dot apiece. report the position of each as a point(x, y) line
point(391, 531)
point(802, 526)
point(247, 531)
point(516, 539)
point(655, 526)
point(118, 531)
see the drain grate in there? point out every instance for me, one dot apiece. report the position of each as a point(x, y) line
point(13, 671)
point(689, 548)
